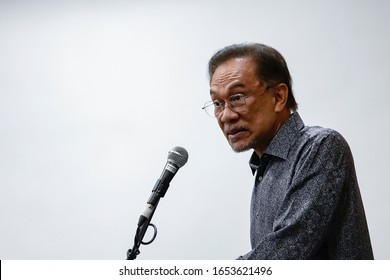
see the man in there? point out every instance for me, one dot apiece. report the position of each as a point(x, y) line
point(306, 202)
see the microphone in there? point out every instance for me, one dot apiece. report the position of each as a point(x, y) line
point(177, 158)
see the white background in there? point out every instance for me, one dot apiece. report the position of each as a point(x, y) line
point(93, 94)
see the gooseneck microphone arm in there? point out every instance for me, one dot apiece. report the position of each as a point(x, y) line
point(177, 157)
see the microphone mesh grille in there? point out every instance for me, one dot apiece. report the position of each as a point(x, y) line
point(178, 156)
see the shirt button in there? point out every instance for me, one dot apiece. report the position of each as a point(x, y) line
point(260, 178)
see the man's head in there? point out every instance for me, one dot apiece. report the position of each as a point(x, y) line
point(271, 65)
point(250, 87)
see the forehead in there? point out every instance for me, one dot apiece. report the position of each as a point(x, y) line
point(234, 72)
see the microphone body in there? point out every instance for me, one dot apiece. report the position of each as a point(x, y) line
point(177, 157)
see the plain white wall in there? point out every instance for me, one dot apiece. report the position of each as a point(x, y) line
point(93, 94)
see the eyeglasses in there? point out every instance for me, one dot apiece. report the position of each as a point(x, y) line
point(236, 103)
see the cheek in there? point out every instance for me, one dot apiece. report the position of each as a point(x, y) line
point(259, 123)
point(264, 105)
point(255, 118)
point(262, 113)
point(220, 124)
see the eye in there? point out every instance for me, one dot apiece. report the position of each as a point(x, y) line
point(236, 98)
point(217, 104)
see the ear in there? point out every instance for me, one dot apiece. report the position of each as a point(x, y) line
point(280, 95)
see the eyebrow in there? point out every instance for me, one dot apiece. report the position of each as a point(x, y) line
point(234, 85)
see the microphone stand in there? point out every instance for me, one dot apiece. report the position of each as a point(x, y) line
point(139, 236)
point(177, 157)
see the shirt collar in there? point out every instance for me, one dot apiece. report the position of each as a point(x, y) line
point(282, 141)
point(254, 162)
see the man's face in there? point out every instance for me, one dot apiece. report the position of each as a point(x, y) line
point(254, 127)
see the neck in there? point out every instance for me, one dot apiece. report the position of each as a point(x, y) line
point(280, 121)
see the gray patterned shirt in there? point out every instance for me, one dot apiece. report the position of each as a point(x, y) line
point(306, 202)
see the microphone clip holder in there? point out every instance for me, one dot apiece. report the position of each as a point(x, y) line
point(139, 236)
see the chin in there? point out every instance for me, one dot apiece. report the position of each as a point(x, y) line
point(240, 148)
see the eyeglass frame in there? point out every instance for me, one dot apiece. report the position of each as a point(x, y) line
point(229, 103)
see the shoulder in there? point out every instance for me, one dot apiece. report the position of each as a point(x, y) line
point(316, 135)
point(323, 146)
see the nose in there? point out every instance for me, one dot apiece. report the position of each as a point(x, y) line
point(228, 115)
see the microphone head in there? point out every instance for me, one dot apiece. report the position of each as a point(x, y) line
point(178, 156)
